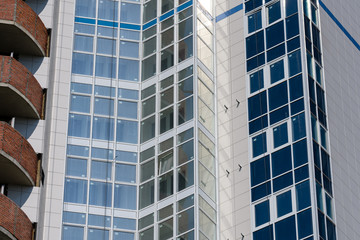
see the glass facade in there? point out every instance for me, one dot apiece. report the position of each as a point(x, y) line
point(289, 159)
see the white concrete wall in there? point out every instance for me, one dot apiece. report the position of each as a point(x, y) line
point(234, 195)
point(341, 64)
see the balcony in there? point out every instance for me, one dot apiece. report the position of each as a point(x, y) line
point(22, 31)
point(14, 224)
point(18, 160)
point(20, 93)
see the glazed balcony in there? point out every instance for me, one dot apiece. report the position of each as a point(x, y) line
point(20, 93)
point(14, 224)
point(22, 31)
point(18, 160)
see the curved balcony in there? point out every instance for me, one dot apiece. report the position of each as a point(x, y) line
point(14, 224)
point(20, 93)
point(18, 160)
point(21, 29)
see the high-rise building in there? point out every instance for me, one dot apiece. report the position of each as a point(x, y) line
point(179, 119)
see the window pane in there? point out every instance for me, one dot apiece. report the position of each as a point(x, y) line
point(284, 204)
point(256, 81)
point(257, 105)
point(103, 128)
point(77, 150)
point(128, 69)
point(286, 229)
point(101, 170)
point(185, 152)
point(72, 217)
point(75, 191)
point(124, 223)
point(207, 182)
point(108, 9)
point(102, 153)
point(104, 91)
point(185, 49)
point(149, 11)
point(254, 22)
point(167, 37)
point(166, 120)
point(147, 130)
point(148, 67)
point(148, 234)
point(265, 233)
point(106, 46)
point(82, 64)
point(296, 87)
point(99, 220)
point(262, 213)
point(281, 161)
point(105, 67)
point(80, 104)
point(291, 7)
point(81, 88)
point(123, 236)
point(129, 94)
point(304, 223)
point(277, 71)
point(280, 134)
point(85, 8)
point(72, 233)
point(165, 162)
point(185, 28)
point(125, 196)
point(147, 170)
point(167, 58)
point(185, 88)
point(83, 43)
point(127, 109)
point(98, 234)
point(130, 13)
point(206, 116)
point(294, 63)
point(260, 170)
point(259, 145)
point(300, 153)
point(129, 49)
point(303, 195)
point(125, 173)
point(127, 131)
point(104, 106)
point(278, 96)
point(274, 12)
point(185, 221)
point(292, 26)
point(274, 34)
point(100, 194)
point(146, 194)
point(107, 32)
point(79, 125)
point(166, 183)
point(185, 176)
point(298, 127)
point(254, 44)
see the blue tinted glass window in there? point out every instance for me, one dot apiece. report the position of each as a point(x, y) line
point(293, 44)
point(275, 52)
point(106, 46)
point(277, 71)
point(259, 144)
point(300, 153)
point(298, 126)
point(301, 173)
point(127, 34)
point(291, 7)
point(261, 191)
point(279, 114)
point(101, 170)
point(80, 103)
point(252, 4)
point(128, 69)
point(125, 196)
point(321, 222)
point(127, 131)
point(294, 63)
point(331, 230)
point(76, 167)
point(85, 8)
point(284, 204)
point(107, 9)
point(98, 234)
point(72, 233)
point(255, 44)
point(123, 236)
point(77, 150)
point(125, 223)
point(127, 109)
point(129, 49)
point(103, 128)
point(72, 217)
point(280, 134)
point(265, 233)
point(262, 213)
point(104, 106)
point(292, 26)
point(83, 43)
point(255, 62)
point(329, 208)
point(105, 67)
point(100, 194)
point(297, 106)
point(304, 223)
point(282, 182)
point(258, 124)
point(257, 105)
point(104, 91)
point(129, 94)
point(303, 195)
point(102, 153)
point(81, 88)
point(130, 13)
point(83, 28)
point(274, 12)
point(296, 87)
point(98, 220)
point(254, 22)
point(82, 64)
point(274, 34)
point(126, 156)
point(325, 160)
point(125, 173)
point(256, 81)
point(79, 125)
point(286, 229)
point(260, 170)
point(75, 191)
point(281, 161)
point(278, 96)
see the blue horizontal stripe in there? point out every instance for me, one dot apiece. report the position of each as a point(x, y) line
point(229, 12)
point(107, 23)
point(342, 28)
point(130, 26)
point(84, 20)
point(185, 5)
point(149, 24)
point(166, 15)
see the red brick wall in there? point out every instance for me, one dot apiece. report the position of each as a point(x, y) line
point(15, 74)
point(21, 13)
point(14, 220)
point(12, 143)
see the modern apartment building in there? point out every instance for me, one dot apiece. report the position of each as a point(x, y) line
point(179, 119)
